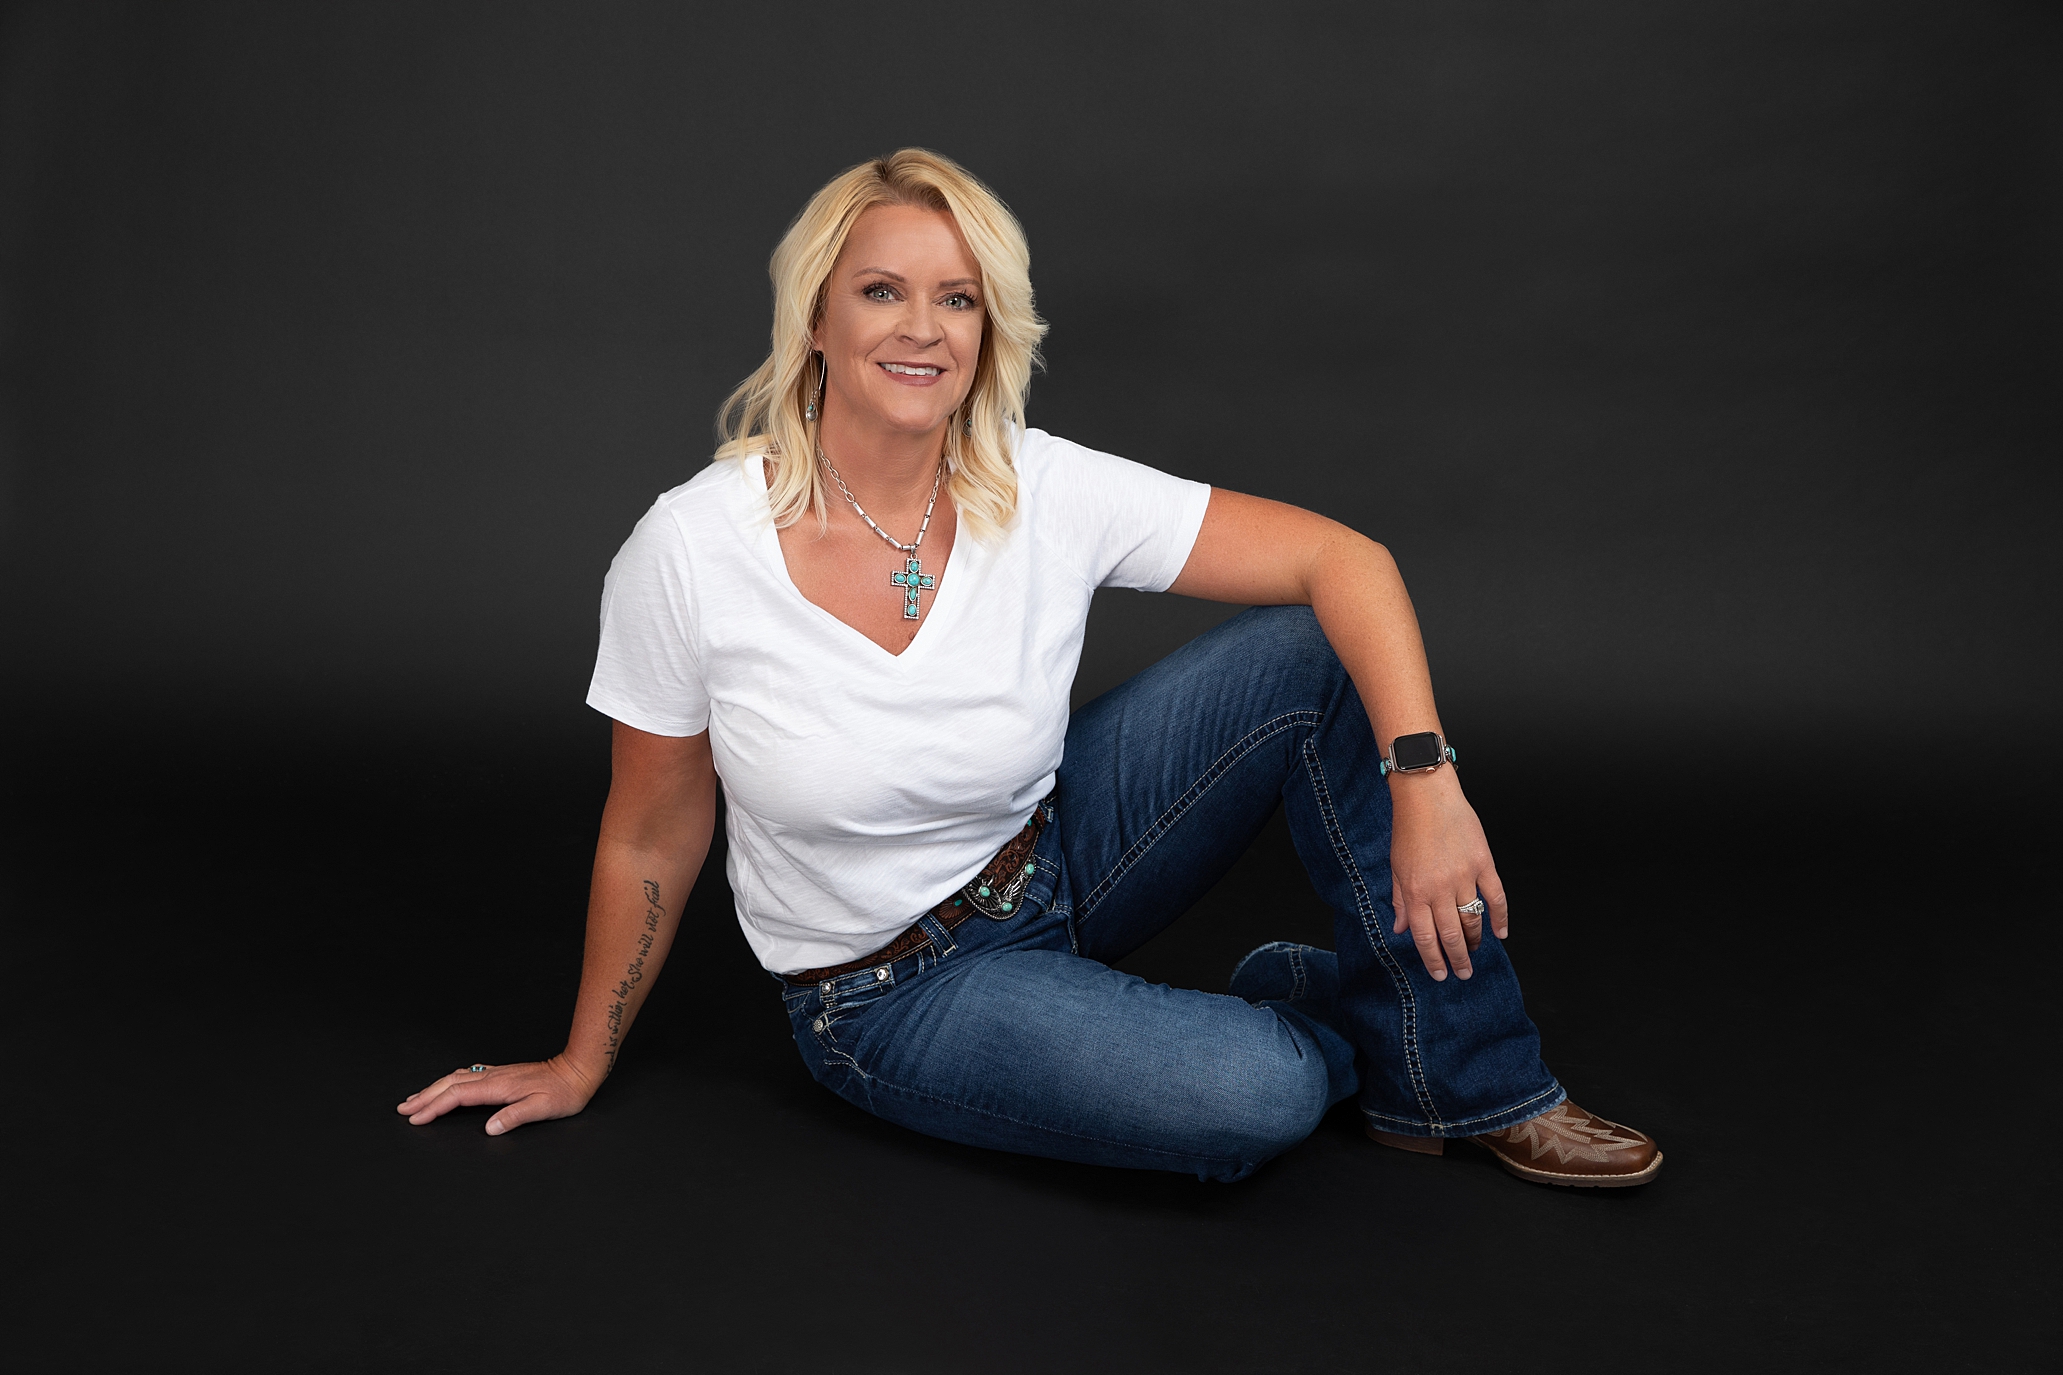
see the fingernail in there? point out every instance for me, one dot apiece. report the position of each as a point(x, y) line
point(494, 1127)
point(1439, 974)
point(1464, 973)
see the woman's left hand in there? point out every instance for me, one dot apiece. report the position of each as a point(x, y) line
point(1439, 861)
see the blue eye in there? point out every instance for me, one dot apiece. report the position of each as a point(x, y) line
point(880, 291)
point(960, 300)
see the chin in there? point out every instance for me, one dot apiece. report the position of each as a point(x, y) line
point(913, 419)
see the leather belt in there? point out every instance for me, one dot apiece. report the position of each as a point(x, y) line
point(994, 892)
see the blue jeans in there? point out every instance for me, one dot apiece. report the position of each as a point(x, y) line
point(1018, 1035)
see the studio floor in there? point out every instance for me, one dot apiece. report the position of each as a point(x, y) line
point(1830, 1001)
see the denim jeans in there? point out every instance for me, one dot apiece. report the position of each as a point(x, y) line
point(1018, 1035)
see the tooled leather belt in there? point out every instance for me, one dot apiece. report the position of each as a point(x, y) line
point(994, 892)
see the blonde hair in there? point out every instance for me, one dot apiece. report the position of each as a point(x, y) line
point(767, 415)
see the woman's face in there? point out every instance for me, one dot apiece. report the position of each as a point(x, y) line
point(902, 322)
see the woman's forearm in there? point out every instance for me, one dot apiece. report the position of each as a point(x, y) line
point(655, 833)
point(633, 912)
point(1360, 601)
point(1359, 598)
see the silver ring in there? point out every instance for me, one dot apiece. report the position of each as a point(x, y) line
point(1474, 909)
point(482, 1069)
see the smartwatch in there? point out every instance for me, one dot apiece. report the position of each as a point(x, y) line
point(1420, 753)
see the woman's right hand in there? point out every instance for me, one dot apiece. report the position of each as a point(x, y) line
point(535, 1091)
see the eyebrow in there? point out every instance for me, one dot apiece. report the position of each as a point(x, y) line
point(898, 277)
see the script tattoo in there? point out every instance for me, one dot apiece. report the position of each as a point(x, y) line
point(633, 976)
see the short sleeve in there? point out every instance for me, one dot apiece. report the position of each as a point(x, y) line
point(1124, 524)
point(647, 673)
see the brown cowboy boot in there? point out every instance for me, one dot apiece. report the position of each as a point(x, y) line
point(1564, 1145)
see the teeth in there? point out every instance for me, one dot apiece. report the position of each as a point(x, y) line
point(908, 371)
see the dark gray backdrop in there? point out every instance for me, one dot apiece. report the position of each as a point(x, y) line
point(1698, 362)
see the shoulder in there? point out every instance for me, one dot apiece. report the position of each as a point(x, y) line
point(1121, 523)
point(1045, 460)
point(693, 518)
point(1038, 451)
point(719, 489)
point(713, 499)
point(1048, 463)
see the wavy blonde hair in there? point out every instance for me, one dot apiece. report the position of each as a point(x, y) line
point(767, 415)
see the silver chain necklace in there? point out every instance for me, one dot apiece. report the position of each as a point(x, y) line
point(913, 576)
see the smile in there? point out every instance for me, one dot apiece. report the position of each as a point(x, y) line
point(910, 370)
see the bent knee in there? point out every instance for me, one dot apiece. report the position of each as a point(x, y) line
point(1291, 628)
point(1253, 1118)
point(1288, 636)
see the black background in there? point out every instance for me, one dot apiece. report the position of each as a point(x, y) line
point(1699, 363)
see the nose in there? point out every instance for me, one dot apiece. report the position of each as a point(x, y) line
point(921, 328)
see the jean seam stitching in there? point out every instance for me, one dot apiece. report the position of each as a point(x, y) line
point(1364, 908)
point(1162, 824)
point(1547, 1092)
point(822, 1029)
point(1272, 947)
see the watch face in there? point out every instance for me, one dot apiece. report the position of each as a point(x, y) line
point(1421, 751)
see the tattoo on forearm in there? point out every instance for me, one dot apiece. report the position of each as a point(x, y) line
point(633, 976)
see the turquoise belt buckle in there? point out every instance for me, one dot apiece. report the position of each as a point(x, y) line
point(999, 903)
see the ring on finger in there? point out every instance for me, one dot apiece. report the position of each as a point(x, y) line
point(1472, 909)
point(477, 1069)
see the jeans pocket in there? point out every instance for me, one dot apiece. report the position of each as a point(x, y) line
point(829, 1026)
point(835, 1036)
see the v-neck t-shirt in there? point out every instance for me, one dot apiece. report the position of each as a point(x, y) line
point(863, 787)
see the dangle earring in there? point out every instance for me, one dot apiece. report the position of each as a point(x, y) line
point(816, 404)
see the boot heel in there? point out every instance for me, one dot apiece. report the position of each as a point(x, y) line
point(1421, 1145)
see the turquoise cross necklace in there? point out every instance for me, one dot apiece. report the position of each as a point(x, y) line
point(913, 577)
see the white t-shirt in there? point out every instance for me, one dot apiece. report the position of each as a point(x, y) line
point(863, 787)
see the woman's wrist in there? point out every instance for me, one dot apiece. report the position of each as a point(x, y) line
point(586, 1075)
point(1432, 788)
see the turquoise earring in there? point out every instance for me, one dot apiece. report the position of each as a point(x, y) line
point(809, 412)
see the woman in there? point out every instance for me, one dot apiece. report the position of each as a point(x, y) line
point(864, 620)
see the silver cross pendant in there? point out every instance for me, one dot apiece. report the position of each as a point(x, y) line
point(910, 579)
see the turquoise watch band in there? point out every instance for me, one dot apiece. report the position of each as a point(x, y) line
point(1443, 754)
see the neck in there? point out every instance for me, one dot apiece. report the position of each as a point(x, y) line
point(884, 467)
